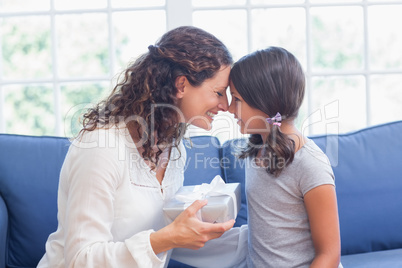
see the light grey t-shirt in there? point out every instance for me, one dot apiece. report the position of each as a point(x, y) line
point(279, 230)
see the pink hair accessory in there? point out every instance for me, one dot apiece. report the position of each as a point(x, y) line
point(276, 120)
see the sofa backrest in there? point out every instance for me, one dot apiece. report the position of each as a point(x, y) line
point(234, 171)
point(3, 231)
point(29, 175)
point(368, 176)
point(203, 160)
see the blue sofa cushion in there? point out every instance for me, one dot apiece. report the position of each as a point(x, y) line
point(29, 189)
point(3, 231)
point(377, 259)
point(233, 170)
point(203, 160)
point(368, 176)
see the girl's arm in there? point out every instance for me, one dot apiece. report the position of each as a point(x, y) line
point(321, 206)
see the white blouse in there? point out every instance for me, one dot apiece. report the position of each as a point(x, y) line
point(109, 202)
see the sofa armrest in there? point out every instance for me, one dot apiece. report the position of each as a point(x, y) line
point(3, 232)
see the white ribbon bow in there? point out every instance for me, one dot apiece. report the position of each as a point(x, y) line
point(215, 188)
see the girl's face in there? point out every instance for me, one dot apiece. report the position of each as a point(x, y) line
point(250, 119)
point(199, 105)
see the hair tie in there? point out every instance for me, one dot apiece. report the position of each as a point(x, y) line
point(276, 120)
point(154, 52)
point(152, 48)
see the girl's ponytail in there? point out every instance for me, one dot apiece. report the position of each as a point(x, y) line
point(278, 152)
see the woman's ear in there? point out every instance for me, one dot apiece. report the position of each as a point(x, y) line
point(180, 84)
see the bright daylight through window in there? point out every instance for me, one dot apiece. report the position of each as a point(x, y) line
point(57, 58)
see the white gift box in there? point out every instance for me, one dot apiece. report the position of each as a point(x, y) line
point(224, 200)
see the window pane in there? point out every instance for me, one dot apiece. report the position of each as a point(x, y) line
point(137, 3)
point(215, 3)
point(301, 121)
point(340, 100)
point(337, 38)
point(385, 38)
point(25, 46)
point(385, 98)
point(131, 38)
point(230, 26)
point(24, 5)
point(79, 4)
point(333, 1)
point(276, 2)
point(75, 100)
point(29, 110)
point(82, 45)
point(272, 27)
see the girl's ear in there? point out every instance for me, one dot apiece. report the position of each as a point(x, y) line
point(180, 84)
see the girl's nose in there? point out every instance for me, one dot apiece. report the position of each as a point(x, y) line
point(231, 107)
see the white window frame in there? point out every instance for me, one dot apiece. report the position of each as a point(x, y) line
point(179, 12)
point(366, 72)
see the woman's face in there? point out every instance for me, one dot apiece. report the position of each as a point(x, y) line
point(250, 119)
point(199, 105)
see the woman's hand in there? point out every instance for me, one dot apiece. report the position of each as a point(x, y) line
point(187, 231)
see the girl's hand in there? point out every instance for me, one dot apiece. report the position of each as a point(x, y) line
point(187, 231)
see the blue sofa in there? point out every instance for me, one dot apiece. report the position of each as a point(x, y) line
point(366, 164)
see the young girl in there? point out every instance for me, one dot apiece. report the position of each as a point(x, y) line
point(292, 207)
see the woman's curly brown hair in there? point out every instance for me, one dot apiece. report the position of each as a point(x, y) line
point(145, 98)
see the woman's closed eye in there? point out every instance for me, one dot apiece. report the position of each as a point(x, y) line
point(220, 93)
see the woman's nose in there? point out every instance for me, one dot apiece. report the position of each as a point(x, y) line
point(223, 105)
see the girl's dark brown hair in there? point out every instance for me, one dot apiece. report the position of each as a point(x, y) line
point(145, 98)
point(271, 80)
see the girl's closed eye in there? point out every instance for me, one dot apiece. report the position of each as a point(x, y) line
point(235, 99)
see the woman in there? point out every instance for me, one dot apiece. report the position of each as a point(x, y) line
point(129, 158)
